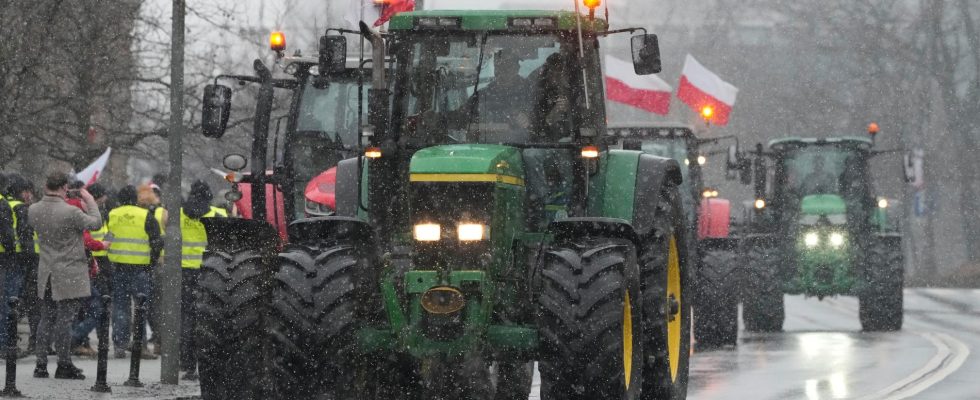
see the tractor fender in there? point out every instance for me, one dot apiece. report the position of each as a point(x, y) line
point(580, 227)
point(652, 174)
point(232, 235)
point(325, 228)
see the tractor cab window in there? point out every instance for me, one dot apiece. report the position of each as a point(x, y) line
point(488, 88)
point(326, 123)
point(823, 170)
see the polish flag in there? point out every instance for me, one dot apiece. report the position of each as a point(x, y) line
point(623, 85)
point(392, 7)
point(92, 172)
point(701, 88)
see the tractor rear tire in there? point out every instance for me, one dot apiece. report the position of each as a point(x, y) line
point(665, 260)
point(716, 306)
point(763, 307)
point(880, 305)
point(314, 317)
point(231, 305)
point(590, 320)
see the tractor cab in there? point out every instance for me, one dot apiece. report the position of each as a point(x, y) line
point(823, 181)
point(515, 93)
point(675, 141)
point(318, 129)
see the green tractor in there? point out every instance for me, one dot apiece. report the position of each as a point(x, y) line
point(487, 225)
point(714, 248)
point(818, 230)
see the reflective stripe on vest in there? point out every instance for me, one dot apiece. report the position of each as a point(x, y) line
point(130, 243)
point(194, 238)
point(18, 248)
point(100, 235)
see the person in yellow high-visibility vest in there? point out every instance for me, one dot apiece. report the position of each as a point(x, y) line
point(195, 240)
point(101, 283)
point(24, 257)
point(135, 246)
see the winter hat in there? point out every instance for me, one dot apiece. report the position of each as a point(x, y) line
point(96, 190)
point(127, 195)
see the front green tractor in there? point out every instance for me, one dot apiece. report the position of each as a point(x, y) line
point(819, 231)
point(486, 226)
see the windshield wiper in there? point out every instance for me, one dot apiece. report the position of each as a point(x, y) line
point(476, 87)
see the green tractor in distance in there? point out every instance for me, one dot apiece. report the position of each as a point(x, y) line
point(819, 231)
point(715, 250)
point(486, 226)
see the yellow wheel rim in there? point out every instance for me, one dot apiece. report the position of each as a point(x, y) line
point(674, 318)
point(627, 339)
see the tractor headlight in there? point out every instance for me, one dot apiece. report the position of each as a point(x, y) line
point(836, 239)
point(469, 232)
point(811, 239)
point(427, 232)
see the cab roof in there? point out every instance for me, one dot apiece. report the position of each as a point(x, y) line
point(651, 129)
point(484, 20)
point(861, 142)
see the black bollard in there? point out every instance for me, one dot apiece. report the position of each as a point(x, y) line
point(137, 350)
point(10, 389)
point(103, 332)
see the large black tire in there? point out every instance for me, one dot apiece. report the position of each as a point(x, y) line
point(586, 325)
point(763, 308)
point(231, 305)
point(314, 317)
point(880, 303)
point(716, 305)
point(664, 377)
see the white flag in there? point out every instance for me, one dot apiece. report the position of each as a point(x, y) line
point(92, 172)
point(361, 10)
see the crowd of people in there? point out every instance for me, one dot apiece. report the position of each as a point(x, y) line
point(66, 245)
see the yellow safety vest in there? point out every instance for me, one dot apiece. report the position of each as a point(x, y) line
point(18, 249)
point(195, 239)
point(2, 249)
point(100, 235)
point(130, 243)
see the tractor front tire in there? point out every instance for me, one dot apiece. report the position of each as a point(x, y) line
point(590, 320)
point(231, 304)
point(665, 270)
point(716, 307)
point(763, 308)
point(314, 317)
point(880, 304)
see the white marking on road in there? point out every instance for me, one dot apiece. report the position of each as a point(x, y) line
point(950, 355)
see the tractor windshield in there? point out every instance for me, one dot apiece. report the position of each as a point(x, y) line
point(326, 123)
point(491, 88)
point(816, 170)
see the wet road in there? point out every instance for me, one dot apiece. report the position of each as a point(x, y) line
point(822, 354)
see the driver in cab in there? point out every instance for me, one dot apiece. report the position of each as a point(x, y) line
point(501, 108)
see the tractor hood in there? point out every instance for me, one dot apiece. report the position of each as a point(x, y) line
point(468, 163)
point(822, 204)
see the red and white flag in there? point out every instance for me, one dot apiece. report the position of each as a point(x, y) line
point(392, 7)
point(92, 172)
point(623, 85)
point(701, 88)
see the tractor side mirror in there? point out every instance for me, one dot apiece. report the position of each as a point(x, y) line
point(217, 108)
point(333, 54)
point(646, 54)
point(234, 162)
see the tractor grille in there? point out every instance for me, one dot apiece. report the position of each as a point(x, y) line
point(448, 204)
